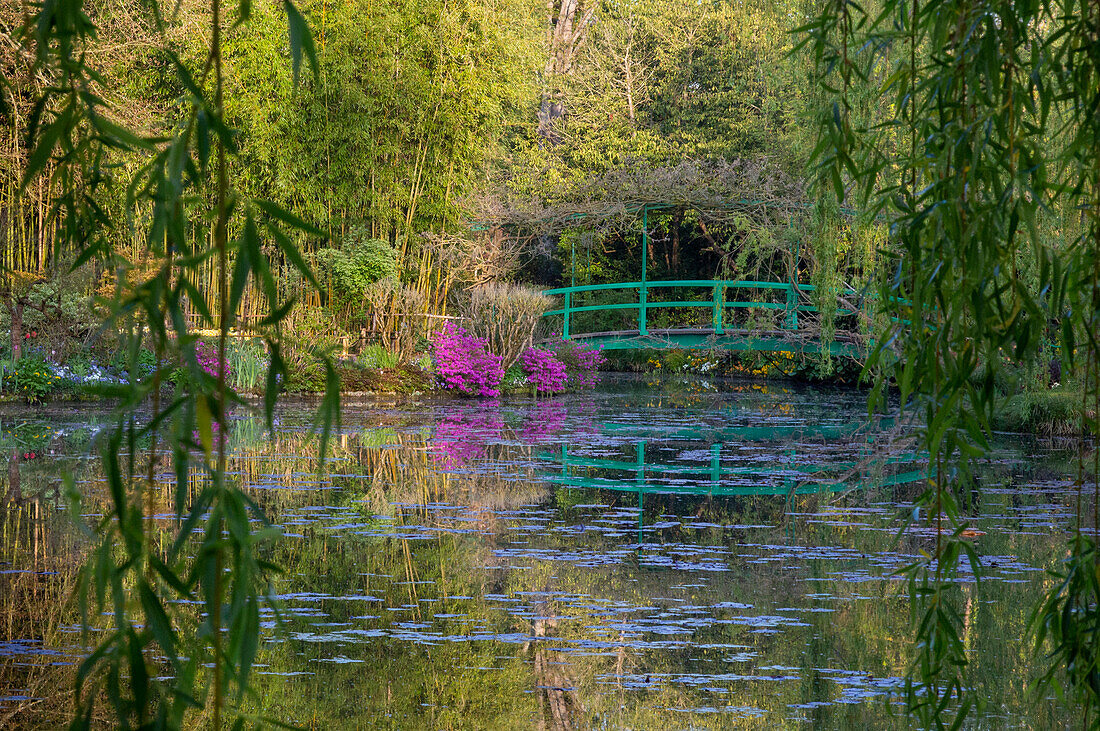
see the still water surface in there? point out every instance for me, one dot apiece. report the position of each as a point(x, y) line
point(682, 554)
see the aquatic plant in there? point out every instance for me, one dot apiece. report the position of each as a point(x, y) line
point(544, 371)
point(464, 363)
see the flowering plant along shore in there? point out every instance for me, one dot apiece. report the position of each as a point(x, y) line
point(464, 363)
point(563, 366)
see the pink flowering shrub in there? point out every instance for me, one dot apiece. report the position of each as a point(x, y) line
point(567, 365)
point(207, 356)
point(582, 363)
point(587, 371)
point(544, 371)
point(465, 364)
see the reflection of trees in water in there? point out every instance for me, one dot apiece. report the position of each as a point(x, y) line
point(40, 554)
point(554, 684)
point(442, 685)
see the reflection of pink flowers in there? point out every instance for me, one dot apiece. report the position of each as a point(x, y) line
point(465, 364)
point(544, 422)
point(461, 439)
point(544, 370)
point(216, 434)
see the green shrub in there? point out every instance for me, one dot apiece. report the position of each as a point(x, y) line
point(359, 262)
point(306, 332)
point(80, 364)
point(30, 377)
point(515, 379)
point(247, 360)
point(146, 362)
point(376, 356)
point(1055, 411)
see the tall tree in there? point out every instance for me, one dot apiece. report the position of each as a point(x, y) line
point(567, 24)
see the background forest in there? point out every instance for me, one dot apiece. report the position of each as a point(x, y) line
point(444, 145)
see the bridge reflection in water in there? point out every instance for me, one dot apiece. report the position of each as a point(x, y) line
point(737, 461)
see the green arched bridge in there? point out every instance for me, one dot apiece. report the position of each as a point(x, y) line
point(730, 324)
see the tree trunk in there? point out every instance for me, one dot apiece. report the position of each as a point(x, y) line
point(15, 312)
point(628, 72)
point(565, 33)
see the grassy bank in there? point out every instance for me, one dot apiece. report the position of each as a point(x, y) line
point(1050, 412)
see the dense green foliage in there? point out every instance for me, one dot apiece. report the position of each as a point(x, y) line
point(986, 121)
point(404, 116)
point(146, 582)
point(425, 116)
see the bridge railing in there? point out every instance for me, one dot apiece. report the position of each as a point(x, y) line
point(789, 301)
point(718, 478)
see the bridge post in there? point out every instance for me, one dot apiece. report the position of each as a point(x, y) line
point(642, 329)
point(717, 317)
point(715, 466)
point(792, 306)
point(565, 315)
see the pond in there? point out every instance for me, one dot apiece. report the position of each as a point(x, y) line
point(667, 554)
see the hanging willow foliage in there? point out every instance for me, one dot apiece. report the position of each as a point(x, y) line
point(183, 595)
point(988, 116)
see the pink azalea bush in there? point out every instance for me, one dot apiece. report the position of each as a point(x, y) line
point(569, 364)
point(464, 363)
point(588, 362)
point(544, 371)
point(207, 356)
